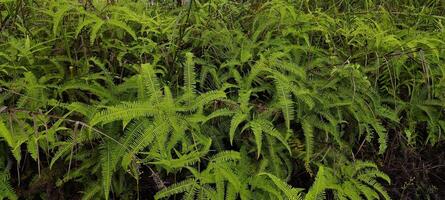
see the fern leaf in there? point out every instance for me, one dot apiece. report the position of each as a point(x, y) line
point(123, 26)
point(151, 81)
point(58, 17)
point(91, 192)
point(140, 141)
point(381, 132)
point(218, 113)
point(285, 101)
point(229, 175)
point(258, 133)
point(176, 188)
point(206, 98)
point(11, 141)
point(189, 75)
point(108, 165)
point(268, 128)
point(234, 123)
point(82, 25)
point(6, 135)
point(6, 190)
point(94, 88)
point(225, 156)
point(290, 192)
point(64, 148)
point(95, 30)
point(127, 110)
point(309, 140)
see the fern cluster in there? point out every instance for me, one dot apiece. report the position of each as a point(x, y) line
point(214, 99)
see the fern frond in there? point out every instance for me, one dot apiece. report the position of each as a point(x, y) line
point(108, 162)
point(285, 101)
point(64, 148)
point(205, 99)
point(218, 113)
point(11, 141)
point(181, 162)
point(6, 190)
point(123, 26)
point(290, 192)
point(124, 111)
point(225, 156)
point(94, 88)
point(381, 132)
point(151, 81)
point(176, 188)
point(142, 139)
point(320, 184)
point(309, 140)
point(375, 185)
point(258, 133)
point(189, 76)
point(6, 135)
point(234, 123)
point(229, 175)
point(91, 192)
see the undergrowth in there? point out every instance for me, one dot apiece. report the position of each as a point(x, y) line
point(217, 99)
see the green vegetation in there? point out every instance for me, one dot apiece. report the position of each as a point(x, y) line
point(218, 99)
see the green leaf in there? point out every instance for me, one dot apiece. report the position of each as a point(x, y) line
point(124, 26)
point(234, 123)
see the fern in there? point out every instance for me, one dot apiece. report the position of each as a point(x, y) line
point(309, 141)
point(6, 190)
point(108, 167)
point(285, 101)
point(125, 111)
point(290, 192)
point(235, 122)
point(189, 76)
point(177, 188)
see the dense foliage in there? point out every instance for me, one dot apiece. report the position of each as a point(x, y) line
point(218, 99)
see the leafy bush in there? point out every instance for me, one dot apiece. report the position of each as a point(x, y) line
point(214, 99)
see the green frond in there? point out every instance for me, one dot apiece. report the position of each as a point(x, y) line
point(189, 75)
point(94, 88)
point(285, 101)
point(309, 140)
point(6, 135)
point(375, 185)
point(123, 26)
point(11, 141)
point(206, 98)
point(321, 183)
point(6, 190)
point(218, 113)
point(382, 133)
point(181, 162)
point(290, 192)
point(151, 82)
point(95, 30)
point(229, 175)
point(58, 16)
point(258, 133)
point(262, 183)
point(140, 140)
point(108, 164)
point(268, 128)
point(231, 193)
point(237, 119)
point(91, 192)
point(177, 188)
point(64, 148)
point(225, 156)
point(124, 111)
